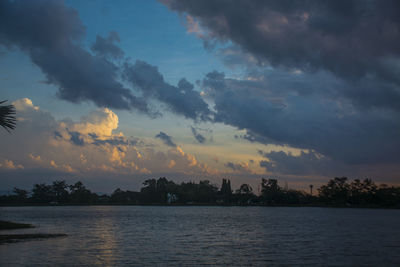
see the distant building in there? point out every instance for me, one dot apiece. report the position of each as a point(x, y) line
point(171, 198)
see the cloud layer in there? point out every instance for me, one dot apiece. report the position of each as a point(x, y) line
point(167, 140)
point(89, 147)
point(53, 34)
point(320, 75)
point(352, 39)
point(181, 99)
point(307, 121)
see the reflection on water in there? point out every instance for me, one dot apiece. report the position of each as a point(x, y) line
point(105, 242)
point(234, 236)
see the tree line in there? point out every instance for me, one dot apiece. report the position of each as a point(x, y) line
point(339, 191)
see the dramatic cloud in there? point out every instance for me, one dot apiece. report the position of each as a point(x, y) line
point(319, 77)
point(200, 138)
point(348, 38)
point(100, 124)
point(76, 138)
point(90, 147)
point(115, 140)
point(51, 34)
point(167, 140)
point(308, 121)
point(238, 167)
point(106, 47)
point(181, 99)
point(307, 163)
point(355, 41)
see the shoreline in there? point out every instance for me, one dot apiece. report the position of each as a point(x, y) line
point(7, 225)
point(200, 205)
point(11, 238)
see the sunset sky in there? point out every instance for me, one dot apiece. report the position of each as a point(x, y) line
point(115, 92)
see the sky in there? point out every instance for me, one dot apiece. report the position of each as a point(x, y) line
point(114, 93)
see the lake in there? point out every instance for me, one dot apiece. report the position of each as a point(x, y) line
point(201, 235)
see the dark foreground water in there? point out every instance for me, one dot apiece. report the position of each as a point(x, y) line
point(182, 236)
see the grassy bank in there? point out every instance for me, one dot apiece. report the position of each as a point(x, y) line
point(18, 237)
point(6, 225)
point(8, 238)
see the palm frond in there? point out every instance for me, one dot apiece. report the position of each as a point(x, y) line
point(7, 116)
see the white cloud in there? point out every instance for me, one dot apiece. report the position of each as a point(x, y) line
point(91, 145)
point(10, 165)
point(24, 104)
point(100, 122)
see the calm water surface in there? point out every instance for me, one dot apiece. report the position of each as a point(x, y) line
point(182, 236)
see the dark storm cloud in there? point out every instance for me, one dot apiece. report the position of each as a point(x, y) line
point(167, 140)
point(106, 47)
point(115, 141)
point(306, 163)
point(357, 41)
point(57, 134)
point(76, 138)
point(181, 99)
point(199, 137)
point(325, 124)
point(328, 34)
point(334, 86)
point(236, 167)
point(252, 138)
point(51, 33)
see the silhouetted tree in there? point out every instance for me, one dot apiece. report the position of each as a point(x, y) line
point(244, 195)
point(291, 196)
point(336, 191)
point(271, 193)
point(244, 189)
point(80, 194)
point(42, 193)
point(21, 195)
point(162, 190)
point(124, 197)
point(226, 191)
point(7, 116)
point(203, 192)
point(149, 191)
point(387, 196)
point(206, 192)
point(60, 191)
point(157, 191)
